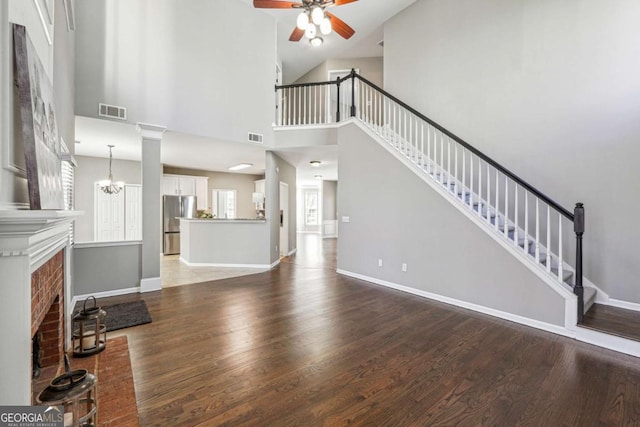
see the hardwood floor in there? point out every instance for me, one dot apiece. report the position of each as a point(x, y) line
point(613, 320)
point(303, 346)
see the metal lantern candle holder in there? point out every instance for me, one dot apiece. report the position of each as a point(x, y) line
point(76, 391)
point(89, 330)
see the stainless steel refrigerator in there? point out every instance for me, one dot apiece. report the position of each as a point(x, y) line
point(174, 207)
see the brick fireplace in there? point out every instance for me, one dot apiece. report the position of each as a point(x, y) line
point(35, 287)
point(47, 315)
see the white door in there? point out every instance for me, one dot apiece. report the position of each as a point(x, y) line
point(109, 215)
point(133, 212)
point(284, 219)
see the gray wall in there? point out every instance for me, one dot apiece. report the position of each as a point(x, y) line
point(102, 268)
point(225, 242)
point(196, 66)
point(370, 68)
point(329, 200)
point(278, 170)
point(397, 217)
point(244, 184)
point(549, 89)
point(89, 171)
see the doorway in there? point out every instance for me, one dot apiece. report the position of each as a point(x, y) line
point(284, 219)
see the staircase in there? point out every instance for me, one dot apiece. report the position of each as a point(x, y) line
point(534, 227)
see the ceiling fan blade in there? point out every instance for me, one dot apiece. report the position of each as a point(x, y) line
point(275, 4)
point(341, 2)
point(340, 27)
point(296, 35)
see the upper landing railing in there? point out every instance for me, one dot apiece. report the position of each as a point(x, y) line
point(530, 220)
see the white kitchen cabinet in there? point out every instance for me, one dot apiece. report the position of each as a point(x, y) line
point(179, 185)
point(202, 192)
point(185, 185)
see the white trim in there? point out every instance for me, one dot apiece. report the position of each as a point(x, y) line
point(43, 22)
point(316, 126)
point(292, 252)
point(150, 284)
point(559, 330)
point(627, 305)
point(149, 131)
point(82, 245)
point(104, 294)
point(208, 264)
point(611, 342)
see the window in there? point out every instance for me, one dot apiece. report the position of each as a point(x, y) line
point(67, 166)
point(224, 203)
point(311, 207)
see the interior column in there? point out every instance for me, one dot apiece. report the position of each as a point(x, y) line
point(151, 206)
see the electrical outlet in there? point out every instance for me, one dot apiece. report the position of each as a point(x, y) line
point(276, 248)
point(380, 262)
point(404, 267)
point(345, 219)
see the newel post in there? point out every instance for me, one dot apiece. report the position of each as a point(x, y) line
point(578, 227)
point(353, 92)
point(338, 103)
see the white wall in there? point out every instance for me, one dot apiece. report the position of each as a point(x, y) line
point(89, 171)
point(196, 66)
point(58, 59)
point(550, 89)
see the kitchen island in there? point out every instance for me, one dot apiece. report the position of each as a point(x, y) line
point(225, 242)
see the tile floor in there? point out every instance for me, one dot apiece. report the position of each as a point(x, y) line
point(175, 273)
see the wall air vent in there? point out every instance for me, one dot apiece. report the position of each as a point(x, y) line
point(255, 137)
point(112, 111)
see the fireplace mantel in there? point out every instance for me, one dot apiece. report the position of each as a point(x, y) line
point(27, 240)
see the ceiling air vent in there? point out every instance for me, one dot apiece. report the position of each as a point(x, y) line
point(255, 137)
point(112, 111)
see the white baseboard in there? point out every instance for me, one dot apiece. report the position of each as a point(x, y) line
point(150, 284)
point(207, 264)
point(559, 330)
point(623, 304)
point(292, 252)
point(611, 342)
point(329, 236)
point(104, 294)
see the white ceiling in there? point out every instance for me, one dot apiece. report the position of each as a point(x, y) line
point(366, 17)
point(178, 149)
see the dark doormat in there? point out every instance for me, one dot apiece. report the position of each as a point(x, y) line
point(126, 314)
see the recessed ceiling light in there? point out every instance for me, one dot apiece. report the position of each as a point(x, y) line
point(315, 163)
point(240, 166)
point(318, 176)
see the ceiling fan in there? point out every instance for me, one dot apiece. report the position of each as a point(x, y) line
point(313, 15)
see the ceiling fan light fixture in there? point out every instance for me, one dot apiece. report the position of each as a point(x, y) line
point(310, 31)
point(325, 26)
point(317, 15)
point(316, 41)
point(302, 21)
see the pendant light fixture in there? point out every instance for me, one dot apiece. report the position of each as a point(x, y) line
point(108, 185)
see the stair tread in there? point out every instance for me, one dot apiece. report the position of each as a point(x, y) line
point(613, 320)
